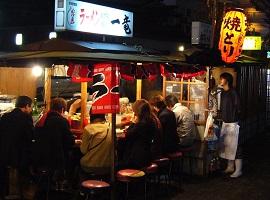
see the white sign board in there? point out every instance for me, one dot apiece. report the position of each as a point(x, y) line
point(201, 33)
point(91, 18)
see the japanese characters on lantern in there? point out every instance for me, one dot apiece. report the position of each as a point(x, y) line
point(232, 34)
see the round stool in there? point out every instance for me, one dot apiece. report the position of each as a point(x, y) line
point(187, 153)
point(163, 168)
point(130, 175)
point(176, 163)
point(151, 169)
point(92, 186)
point(151, 174)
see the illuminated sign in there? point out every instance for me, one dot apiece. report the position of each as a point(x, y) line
point(268, 54)
point(91, 18)
point(252, 43)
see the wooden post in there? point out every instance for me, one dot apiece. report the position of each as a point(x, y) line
point(138, 89)
point(164, 87)
point(47, 88)
point(113, 159)
point(83, 102)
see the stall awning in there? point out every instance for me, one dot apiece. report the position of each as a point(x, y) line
point(26, 58)
point(80, 46)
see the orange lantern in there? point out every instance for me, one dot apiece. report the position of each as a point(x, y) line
point(232, 34)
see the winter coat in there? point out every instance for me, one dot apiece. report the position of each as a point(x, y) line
point(16, 134)
point(54, 140)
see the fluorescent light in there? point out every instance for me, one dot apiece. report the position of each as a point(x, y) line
point(37, 71)
point(19, 39)
point(52, 35)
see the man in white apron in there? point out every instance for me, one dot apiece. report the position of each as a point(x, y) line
point(230, 109)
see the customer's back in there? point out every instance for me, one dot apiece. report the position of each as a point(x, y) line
point(54, 138)
point(16, 132)
point(184, 121)
point(96, 146)
point(139, 137)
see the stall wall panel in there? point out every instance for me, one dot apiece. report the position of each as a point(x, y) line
point(252, 89)
point(17, 81)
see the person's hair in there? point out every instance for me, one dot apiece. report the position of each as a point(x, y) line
point(158, 101)
point(23, 101)
point(171, 100)
point(228, 77)
point(58, 104)
point(94, 117)
point(142, 110)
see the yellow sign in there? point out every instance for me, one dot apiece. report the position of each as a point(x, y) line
point(252, 43)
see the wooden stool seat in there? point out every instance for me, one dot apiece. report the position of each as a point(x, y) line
point(93, 184)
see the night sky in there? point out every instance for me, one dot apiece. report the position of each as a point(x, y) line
point(150, 16)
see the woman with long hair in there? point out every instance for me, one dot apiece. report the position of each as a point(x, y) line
point(139, 137)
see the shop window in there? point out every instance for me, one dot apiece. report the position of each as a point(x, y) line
point(191, 93)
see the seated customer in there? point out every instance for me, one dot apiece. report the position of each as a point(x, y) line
point(168, 123)
point(96, 145)
point(184, 121)
point(139, 137)
point(54, 140)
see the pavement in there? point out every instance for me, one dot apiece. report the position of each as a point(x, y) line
point(253, 185)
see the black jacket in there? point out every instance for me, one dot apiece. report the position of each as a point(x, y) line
point(16, 133)
point(230, 106)
point(169, 130)
point(53, 142)
point(139, 138)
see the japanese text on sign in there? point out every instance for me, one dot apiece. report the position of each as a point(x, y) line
point(232, 35)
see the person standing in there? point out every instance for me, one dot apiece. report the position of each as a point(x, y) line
point(168, 124)
point(230, 110)
point(184, 121)
point(16, 134)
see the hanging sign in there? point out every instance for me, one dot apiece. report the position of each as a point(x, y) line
point(105, 88)
point(232, 34)
point(79, 73)
point(92, 18)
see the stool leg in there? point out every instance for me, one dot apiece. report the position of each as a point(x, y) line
point(145, 188)
point(127, 190)
point(48, 187)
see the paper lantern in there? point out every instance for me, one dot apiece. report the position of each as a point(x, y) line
point(232, 34)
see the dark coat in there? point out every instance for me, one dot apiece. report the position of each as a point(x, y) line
point(16, 134)
point(139, 138)
point(169, 131)
point(53, 142)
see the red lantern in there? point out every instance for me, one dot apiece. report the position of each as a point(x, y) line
point(232, 34)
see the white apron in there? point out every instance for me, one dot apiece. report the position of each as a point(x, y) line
point(229, 140)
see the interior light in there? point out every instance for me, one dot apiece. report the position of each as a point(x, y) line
point(37, 71)
point(181, 48)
